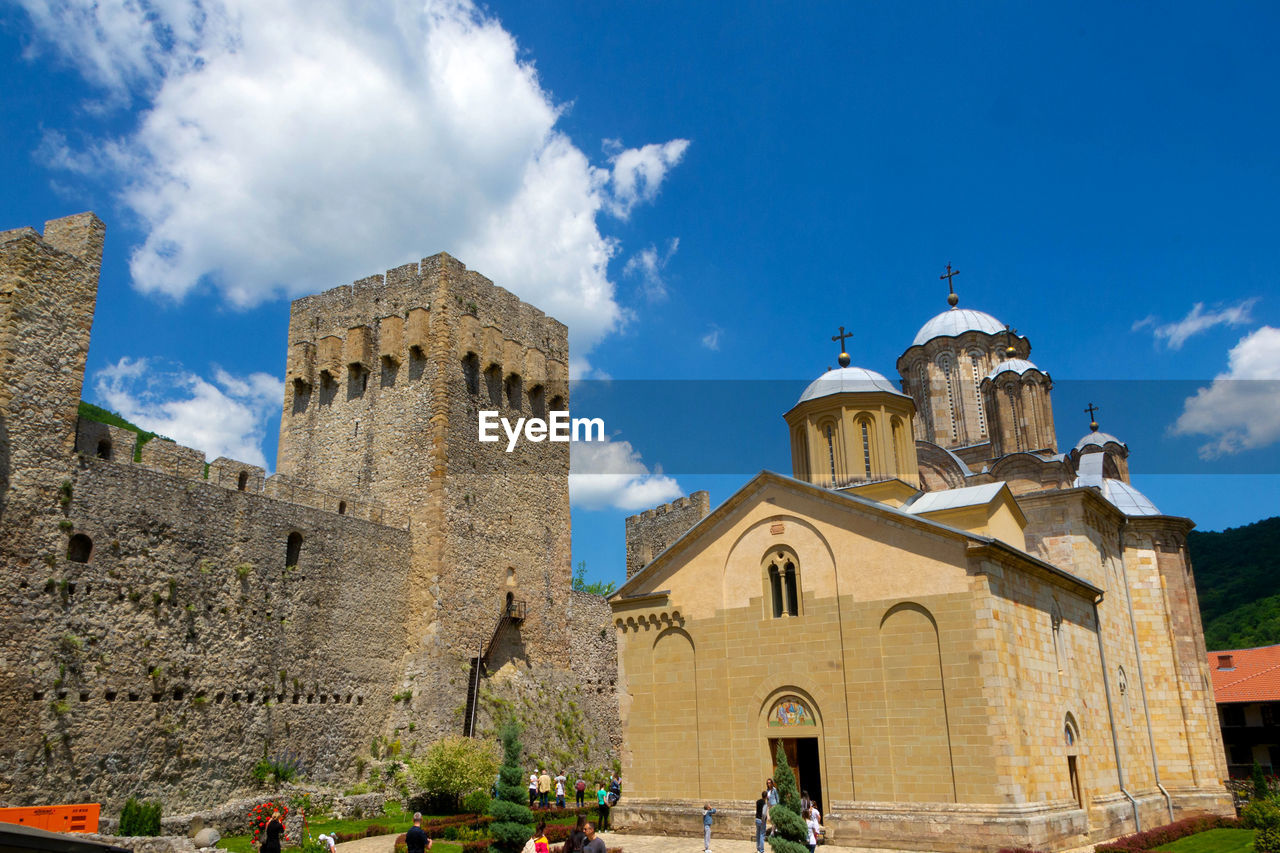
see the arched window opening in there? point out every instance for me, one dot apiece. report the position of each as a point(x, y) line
point(866, 450)
point(557, 404)
point(417, 362)
point(357, 380)
point(301, 395)
point(831, 452)
point(1071, 737)
point(104, 449)
point(79, 548)
point(538, 401)
point(342, 507)
point(975, 359)
point(242, 482)
point(793, 595)
point(895, 429)
point(515, 391)
point(949, 377)
point(293, 549)
point(493, 383)
point(775, 589)
point(1059, 646)
point(471, 372)
point(1015, 416)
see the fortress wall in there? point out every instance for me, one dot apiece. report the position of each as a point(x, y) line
point(653, 531)
point(185, 647)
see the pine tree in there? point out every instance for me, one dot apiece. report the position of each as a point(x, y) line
point(790, 832)
point(1260, 789)
point(512, 820)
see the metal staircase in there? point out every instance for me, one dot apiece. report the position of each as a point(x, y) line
point(513, 613)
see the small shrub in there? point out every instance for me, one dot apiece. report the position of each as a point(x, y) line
point(1162, 835)
point(60, 707)
point(1267, 840)
point(242, 570)
point(64, 493)
point(477, 802)
point(138, 819)
point(66, 526)
point(1260, 813)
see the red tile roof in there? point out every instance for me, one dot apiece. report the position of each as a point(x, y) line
point(1246, 675)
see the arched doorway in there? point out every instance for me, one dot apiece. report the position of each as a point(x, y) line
point(791, 719)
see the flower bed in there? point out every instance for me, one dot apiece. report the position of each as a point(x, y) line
point(1163, 835)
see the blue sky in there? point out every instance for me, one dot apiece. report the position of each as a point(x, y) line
point(702, 192)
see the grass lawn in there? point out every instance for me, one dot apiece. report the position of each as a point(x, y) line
point(1213, 841)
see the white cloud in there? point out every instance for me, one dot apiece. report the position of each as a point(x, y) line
point(649, 264)
point(1241, 408)
point(604, 474)
point(290, 146)
point(226, 417)
point(638, 172)
point(711, 340)
point(1197, 320)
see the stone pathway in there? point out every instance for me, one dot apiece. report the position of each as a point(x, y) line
point(641, 844)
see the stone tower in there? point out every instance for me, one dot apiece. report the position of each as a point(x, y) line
point(386, 379)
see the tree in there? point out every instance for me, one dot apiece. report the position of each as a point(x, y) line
point(1260, 789)
point(791, 832)
point(454, 767)
point(596, 587)
point(512, 820)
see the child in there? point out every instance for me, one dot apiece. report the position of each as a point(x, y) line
point(707, 812)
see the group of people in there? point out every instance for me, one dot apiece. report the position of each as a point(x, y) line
point(768, 799)
point(582, 839)
point(541, 785)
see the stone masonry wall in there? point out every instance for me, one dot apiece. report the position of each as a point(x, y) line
point(185, 648)
point(651, 532)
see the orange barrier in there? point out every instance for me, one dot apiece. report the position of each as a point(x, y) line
point(82, 817)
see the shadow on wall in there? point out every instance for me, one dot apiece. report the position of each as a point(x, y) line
point(4, 464)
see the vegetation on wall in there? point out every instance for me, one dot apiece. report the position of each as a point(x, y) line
point(97, 414)
point(1238, 582)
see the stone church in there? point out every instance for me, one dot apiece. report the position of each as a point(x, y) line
point(963, 636)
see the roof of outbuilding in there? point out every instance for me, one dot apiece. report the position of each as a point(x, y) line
point(1254, 675)
point(957, 321)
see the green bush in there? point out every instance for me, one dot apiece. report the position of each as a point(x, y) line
point(513, 821)
point(1260, 813)
point(790, 832)
point(139, 819)
point(1267, 840)
point(454, 767)
point(477, 802)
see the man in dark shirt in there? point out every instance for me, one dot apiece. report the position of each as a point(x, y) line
point(415, 839)
point(595, 844)
point(760, 804)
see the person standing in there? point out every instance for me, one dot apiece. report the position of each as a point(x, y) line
point(533, 789)
point(416, 840)
point(540, 843)
point(577, 837)
point(602, 810)
point(544, 789)
point(595, 844)
point(762, 805)
point(580, 788)
point(813, 829)
point(273, 831)
point(560, 781)
point(707, 812)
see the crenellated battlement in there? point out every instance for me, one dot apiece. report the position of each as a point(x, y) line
point(112, 444)
point(651, 532)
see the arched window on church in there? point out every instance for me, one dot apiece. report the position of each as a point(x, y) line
point(1071, 738)
point(949, 379)
point(975, 360)
point(831, 451)
point(1059, 647)
point(784, 583)
point(866, 448)
point(895, 429)
point(1015, 416)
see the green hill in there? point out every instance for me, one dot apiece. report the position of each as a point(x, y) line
point(1238, 581)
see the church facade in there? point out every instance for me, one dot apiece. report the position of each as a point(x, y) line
point(962, 637)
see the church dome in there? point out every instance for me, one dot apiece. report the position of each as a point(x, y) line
point(1098, 439)
point(1125, 497)
point(1017, 365)
point(957, 321)
point(847, 379)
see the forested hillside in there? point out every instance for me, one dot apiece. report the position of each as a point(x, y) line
point(1238, 581)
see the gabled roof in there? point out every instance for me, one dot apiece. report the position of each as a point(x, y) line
point(954, 498)
point(742, 497)
point(1254, 675)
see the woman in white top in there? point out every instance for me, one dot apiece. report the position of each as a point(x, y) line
point(813, 828)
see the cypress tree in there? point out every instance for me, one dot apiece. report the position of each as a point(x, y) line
point(512, 820)
point(790, 832)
